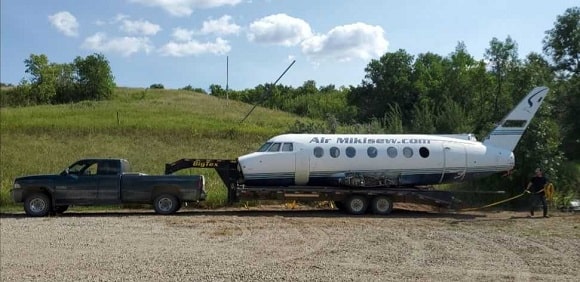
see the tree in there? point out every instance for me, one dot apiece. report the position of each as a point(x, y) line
point(157, 86)
point(503, 58)
point(95, 79)
point(562, 43)
point(43, 78)
point(387, 82)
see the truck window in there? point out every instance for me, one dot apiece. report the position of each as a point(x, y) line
point(109, 167)
point(83, 168)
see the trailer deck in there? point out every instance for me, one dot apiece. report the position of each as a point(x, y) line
point(381, 196)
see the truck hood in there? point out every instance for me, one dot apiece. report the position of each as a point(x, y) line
point(36, 177)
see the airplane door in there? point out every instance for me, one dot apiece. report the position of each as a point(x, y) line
point(302, 172)
point(454, 162)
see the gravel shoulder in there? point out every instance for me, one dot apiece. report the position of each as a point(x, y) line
point(273, 243)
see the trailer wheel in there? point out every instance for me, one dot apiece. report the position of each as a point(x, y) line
point(165, 204)
point(357, 204)
point(37, 204)
point(382, 205)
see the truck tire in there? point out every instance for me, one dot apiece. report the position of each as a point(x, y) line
point(37, 205)
point(60, 209)
point(166, 204)
point(382, 205)
point(357, 204)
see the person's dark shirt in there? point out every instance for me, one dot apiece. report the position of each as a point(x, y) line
point(538, 183)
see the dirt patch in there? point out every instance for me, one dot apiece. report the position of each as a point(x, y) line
point(303, 244)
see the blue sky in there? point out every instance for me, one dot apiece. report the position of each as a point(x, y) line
point(185, 42)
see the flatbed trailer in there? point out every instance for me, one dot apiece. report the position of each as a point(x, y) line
point(355, 200)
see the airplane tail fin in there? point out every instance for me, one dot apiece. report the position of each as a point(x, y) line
point(508, 133)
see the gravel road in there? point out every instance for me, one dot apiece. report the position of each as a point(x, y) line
point(295, 245)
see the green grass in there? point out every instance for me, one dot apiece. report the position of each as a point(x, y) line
point(147, 127)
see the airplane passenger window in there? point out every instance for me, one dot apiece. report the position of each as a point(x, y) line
point(372, 152)
point(424, 152)
point(392, 152)
point(318, 152)
point(265, 147)
point(334, 152)
point(275, 147)
point(287, 147)
point(407, 152)
point(350, 152)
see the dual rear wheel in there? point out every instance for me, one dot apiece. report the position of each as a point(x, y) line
point(359, 204)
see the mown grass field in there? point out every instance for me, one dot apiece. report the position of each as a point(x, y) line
point(147, 127)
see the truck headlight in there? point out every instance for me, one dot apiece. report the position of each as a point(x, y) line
point(16, 185)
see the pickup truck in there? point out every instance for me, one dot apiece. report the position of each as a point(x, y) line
point(105, 182)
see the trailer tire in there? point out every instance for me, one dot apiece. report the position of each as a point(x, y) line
point(37, 205)
point(165, 204)
point(382, 205)
point(357, 204)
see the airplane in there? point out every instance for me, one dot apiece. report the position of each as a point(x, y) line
point(388, 160)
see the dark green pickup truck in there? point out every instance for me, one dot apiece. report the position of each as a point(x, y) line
point(105, 182)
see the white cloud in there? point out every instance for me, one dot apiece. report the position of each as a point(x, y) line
point(221, 26)
point(139, 27)
point(181, 8)
point(182, 34)
point(193, 47)
point(279, 29)
point(125, 46)
point(347, 42)
point(65, 22)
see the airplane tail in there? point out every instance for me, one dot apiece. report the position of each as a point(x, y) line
point(508, 133)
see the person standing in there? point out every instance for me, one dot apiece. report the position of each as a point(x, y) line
point(536, 188)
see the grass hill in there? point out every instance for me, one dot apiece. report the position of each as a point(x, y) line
point(147, 127)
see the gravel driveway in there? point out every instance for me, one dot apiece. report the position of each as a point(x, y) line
point(296, 245)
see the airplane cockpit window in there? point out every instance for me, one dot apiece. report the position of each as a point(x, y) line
point(350, 152)
point(334, 152)
point(275, 147)
point(287, 147)
point(424, 152)
point(318, 152)
point(392, 152)
point(265, 147)
point(372, 152)
point(407, 152)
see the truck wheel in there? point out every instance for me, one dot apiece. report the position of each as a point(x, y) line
point(37, 204)
point(165, 204)
point(60, 209)
point(357, 204)
point(382, 205)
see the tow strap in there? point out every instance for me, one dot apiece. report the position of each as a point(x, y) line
point(548, 189)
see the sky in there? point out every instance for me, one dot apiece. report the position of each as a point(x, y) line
point(189, 42)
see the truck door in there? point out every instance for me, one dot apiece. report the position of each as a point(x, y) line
point(302, 168)
point(454, 162)
point(109, 174)
point(78, 186)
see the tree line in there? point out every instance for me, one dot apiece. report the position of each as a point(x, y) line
point(88, 78)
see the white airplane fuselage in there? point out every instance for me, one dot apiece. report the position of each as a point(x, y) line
point(390, 160)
